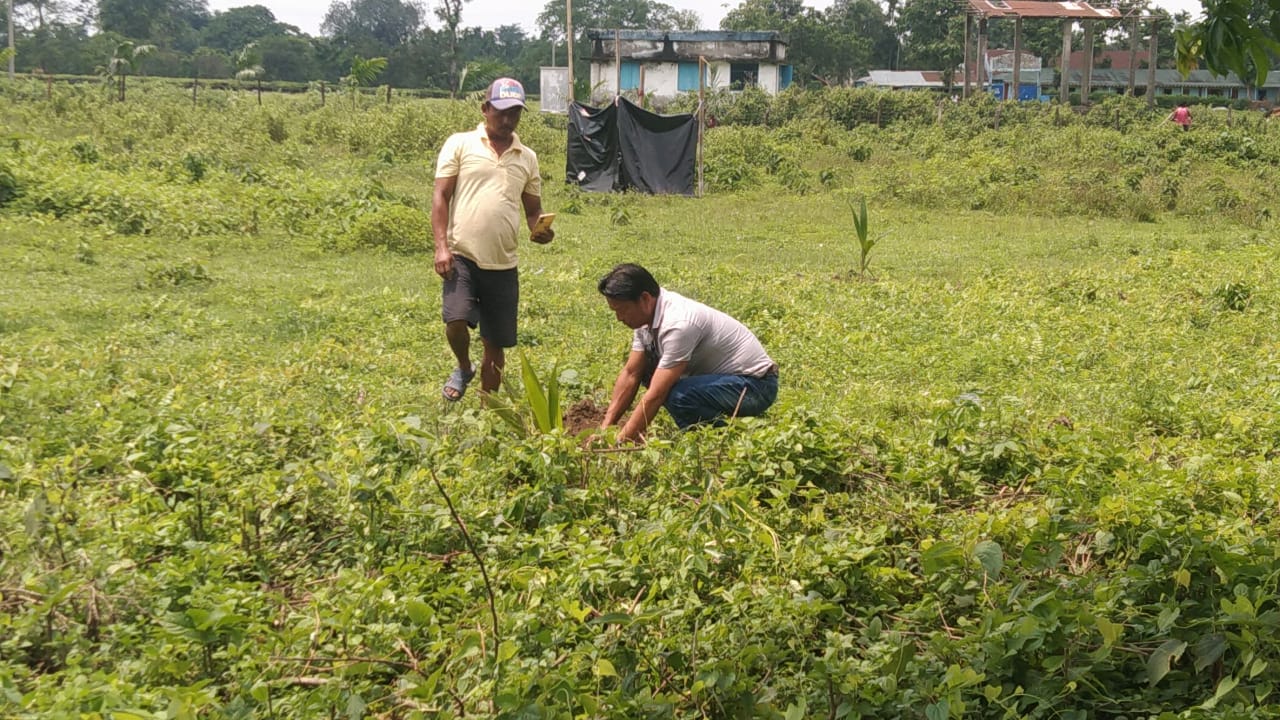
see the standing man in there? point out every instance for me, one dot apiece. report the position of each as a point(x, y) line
point(486, 182)
point(698, 362)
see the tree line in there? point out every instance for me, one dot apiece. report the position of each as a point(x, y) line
point(428, 46)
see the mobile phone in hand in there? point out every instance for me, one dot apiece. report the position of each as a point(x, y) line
point(544, 223)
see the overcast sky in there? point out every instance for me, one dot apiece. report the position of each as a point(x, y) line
point(308, 14)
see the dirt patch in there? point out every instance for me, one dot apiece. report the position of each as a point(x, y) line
point(583, 415)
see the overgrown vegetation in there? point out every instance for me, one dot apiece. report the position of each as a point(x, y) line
point(1028, 472)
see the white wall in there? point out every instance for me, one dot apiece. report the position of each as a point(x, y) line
point(554, 97)
point(603, 80)
point(663, 79)
point(718, 73)
point(660, 78)
point(768, 79)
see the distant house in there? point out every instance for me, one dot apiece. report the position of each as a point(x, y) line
point(1199, 83)
point(998, 62)
point(1035, 79)
point(1001, 60)
point(1112, 59)
point(665, 64)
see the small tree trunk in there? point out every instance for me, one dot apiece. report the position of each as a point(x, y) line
point(9, 16)
point(121, 96)
point(453, 70)
point(321, 93)
point(259, 92)
point(388, 95)
point(453, 58)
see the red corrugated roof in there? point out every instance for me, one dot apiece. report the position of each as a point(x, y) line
point(1037, 9)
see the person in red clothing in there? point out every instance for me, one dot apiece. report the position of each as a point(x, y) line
point(1181, 115)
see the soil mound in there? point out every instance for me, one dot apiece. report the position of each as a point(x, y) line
point(583, 415)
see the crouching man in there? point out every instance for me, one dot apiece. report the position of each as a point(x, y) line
point(702, 365)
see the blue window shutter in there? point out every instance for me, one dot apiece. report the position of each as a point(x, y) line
point(784, 77)
point(630, 76)
point(687, 79)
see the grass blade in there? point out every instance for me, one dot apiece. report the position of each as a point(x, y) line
point(553, 399)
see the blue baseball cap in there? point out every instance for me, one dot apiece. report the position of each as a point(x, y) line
point(506, 93)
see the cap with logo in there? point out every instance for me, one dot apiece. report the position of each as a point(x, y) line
point(506, 93)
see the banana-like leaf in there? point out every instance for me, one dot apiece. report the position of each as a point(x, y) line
point(506, 410)
point(860, 221)
point(531, 409)
point(535, 396)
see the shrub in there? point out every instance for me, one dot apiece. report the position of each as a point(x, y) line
point(852, 107)
point(175, 275)
point(397, 228)
point(1233, 296)
point(196, 166)
point(750, 107)
point(10, 188)
point(85, 151)
point(276, 129)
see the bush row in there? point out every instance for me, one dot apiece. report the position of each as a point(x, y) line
point(159, 164)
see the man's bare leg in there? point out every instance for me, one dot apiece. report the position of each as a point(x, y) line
point(459, 337)
point(491, 366)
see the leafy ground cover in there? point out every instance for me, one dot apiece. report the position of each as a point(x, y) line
point(1025, 468)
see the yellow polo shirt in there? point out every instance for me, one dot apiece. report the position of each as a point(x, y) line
point(486, 214)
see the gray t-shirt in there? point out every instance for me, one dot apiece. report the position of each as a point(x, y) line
point(712, 342)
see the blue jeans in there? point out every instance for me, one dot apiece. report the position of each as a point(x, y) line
point(713, 398)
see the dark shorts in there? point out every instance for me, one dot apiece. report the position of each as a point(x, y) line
point(487, 298)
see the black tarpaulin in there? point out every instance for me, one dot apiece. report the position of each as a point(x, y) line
point(625, 147)
point(592, 158)
point(659, 152)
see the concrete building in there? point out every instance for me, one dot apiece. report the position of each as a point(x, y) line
point(665, 64)
point(1199, 83)
point(1035, 83)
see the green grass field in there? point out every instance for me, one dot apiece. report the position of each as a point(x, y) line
point(1026, 468)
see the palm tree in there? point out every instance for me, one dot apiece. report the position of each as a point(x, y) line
point(249, 66)
point(363, 73)
point(477, 74)
point(125, 58)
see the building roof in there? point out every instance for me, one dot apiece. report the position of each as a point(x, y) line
point(694, 36)
point(1039, 9)
point(904, 79)
point(1165, 77)
point(674, 46)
